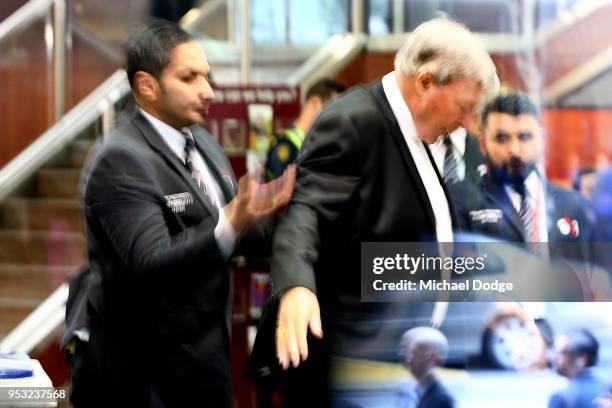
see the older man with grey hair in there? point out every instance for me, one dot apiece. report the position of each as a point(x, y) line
point(365, 174)
point(423, 349)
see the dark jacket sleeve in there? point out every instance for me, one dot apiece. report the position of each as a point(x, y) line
point(328, 176)
point(125, 208)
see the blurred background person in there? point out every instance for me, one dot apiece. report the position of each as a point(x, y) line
point(422, 350)
point(513, 201)
point(285, 147)
point(172, 10)
point(576, 352)
point(586, 181)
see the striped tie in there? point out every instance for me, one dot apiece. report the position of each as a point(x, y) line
point(527, 216)
point(450, 171)
point(200, 176)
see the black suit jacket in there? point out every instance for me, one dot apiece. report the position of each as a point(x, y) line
point(436, 396)
point(356, 182)
point(160, 323)
point(473, 158)
point(486, 194)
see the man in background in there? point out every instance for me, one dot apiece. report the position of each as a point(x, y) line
point(513, 201)
point(422, 350)
point(285, 147)
point(576, 353)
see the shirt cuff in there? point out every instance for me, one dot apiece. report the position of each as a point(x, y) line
point(225, 235)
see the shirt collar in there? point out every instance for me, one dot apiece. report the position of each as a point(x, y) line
point(172, 137)
point(457, 138)
point(427, 381)
point(398, 106)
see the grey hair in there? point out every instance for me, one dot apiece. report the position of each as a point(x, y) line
point(429, 336)
point(449, 51)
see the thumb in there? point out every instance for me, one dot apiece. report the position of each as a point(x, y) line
point(315, 324)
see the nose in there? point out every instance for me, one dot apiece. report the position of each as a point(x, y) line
point(206, 91)
point(514, 147)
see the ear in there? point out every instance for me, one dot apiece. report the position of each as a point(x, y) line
point(424, 81)
point(146, 86)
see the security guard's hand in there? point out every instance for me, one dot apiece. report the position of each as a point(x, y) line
point(254, 201)
point(298, 312)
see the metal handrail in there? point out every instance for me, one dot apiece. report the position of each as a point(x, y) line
point(86, 112)
point(35, 328)
point(27, 13)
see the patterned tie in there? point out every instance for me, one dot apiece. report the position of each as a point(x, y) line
point(202, 178)
point(450, 170)
point(528, 219)
point(189, 149)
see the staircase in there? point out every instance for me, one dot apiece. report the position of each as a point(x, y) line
point(41, 239)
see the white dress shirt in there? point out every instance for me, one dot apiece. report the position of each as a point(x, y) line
point(537, 194)
point(224, 232)
point(438, 151)
point(435, 192)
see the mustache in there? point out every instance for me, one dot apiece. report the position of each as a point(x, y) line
point(512, 172)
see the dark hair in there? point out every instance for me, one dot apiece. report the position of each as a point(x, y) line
point(583, 171)
point(148, 49)
point(325, 88)
point(583, 342)
point(514, 104)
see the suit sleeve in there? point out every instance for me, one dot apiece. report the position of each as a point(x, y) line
point(124, 208)
point(328, 177)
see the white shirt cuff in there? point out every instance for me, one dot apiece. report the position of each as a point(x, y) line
point(225, 235)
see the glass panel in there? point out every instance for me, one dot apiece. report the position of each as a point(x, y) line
point(26, 86)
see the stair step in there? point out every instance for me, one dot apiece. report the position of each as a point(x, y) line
point(58, 182)
point(43, 214)
point(79, 150)
point(53, 248)
point(32, 281)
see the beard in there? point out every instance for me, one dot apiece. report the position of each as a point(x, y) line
point(512, 173)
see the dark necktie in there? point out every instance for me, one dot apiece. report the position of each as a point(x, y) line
point(189, 149)
point(450, 171)
point(529, 220)
point(200, 176)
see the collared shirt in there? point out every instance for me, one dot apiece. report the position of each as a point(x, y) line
point(435, 192)
point(438, 151)
point(224, 232)
point(537, 193)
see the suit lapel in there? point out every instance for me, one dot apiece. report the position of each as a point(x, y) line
point(496, 193)
point(552, 215)
point(398, 137)
point(473, 158)
point(157, 144)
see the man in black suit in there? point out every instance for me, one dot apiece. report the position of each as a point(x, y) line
point(163, 214)
point(513, 201)
point(365, 174)
point(422, 350)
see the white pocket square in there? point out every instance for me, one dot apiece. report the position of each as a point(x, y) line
point(178, 202)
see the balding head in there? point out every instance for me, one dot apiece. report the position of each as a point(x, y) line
point(422, 349)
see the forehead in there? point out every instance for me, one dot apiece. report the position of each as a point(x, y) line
point(497, 121)
point(466, 89)
point(188, 56)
